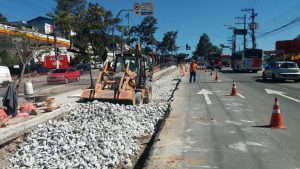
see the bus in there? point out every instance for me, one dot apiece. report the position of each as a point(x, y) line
point(247, 60)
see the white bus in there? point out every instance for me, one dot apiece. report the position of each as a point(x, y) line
point(247, 60)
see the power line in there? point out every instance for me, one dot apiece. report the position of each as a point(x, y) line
point(281, 27)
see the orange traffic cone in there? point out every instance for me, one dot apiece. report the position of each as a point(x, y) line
point(211, 73)
point(276, 121)
point(217, 77)
point(234, 91)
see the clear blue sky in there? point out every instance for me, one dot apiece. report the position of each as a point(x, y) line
point(191, 18)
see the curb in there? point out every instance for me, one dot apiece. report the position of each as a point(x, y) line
point(163, 72)
point(11, 132)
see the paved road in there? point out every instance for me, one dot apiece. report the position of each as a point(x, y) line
point(41, 87)
point(230, 132)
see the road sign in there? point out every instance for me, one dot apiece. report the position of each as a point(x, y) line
point(137, 9)
point(143, 8)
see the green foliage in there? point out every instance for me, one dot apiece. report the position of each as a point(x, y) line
point(168, 43)
point(146, 30)
point(204, 46)
point(8, 60)
point(2, 18)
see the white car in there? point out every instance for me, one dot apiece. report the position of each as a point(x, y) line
point(5, 77)
point(282, 71)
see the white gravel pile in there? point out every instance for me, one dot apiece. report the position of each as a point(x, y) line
point(95, 134)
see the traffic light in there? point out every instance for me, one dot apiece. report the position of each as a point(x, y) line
point(186, 47)
point(189, 48)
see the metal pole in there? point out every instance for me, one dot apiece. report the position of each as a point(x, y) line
point(113, 31)
point(245, 34)
point(55, 46)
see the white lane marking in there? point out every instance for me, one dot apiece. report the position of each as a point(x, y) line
point(243, 146)
point(201, 150)
point(247, 121)
point(188, 130)
point(234, 104)
point(200, 166)
point(205, 94)
point(233, 122)
point(219, 80)
point(269, 91)
point(74, 96)
point(203, 123)
point(241, 96)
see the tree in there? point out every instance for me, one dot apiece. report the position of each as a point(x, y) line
point(168, 43)
point(204, 46)
point(146, 30)
point(2, 18)
point(65, 14)
point(26, 49)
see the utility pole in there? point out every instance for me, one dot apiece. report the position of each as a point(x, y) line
point(244, 23)
point(55, 46)
point(253, 25)
point(233, 38)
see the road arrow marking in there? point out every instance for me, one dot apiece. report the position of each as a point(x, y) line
point(243, 97)
point(205, 94)
point(269, 91)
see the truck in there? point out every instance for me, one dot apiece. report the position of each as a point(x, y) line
point(50, 62)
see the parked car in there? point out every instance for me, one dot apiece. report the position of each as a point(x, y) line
point(282, 70)
point(83, 67)
point(5, 76)
point(42, 70)
point(64, 75)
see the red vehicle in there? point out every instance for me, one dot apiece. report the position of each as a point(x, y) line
point(64, 75)
point(50, 62)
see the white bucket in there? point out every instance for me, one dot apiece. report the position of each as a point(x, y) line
point(28, 88)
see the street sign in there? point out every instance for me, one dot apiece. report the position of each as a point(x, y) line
point(240, 31)
point(137, 9)
point(143, 8)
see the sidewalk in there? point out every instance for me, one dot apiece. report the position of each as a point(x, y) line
point(21, 125)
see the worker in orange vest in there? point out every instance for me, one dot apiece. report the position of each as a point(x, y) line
point(193, 69)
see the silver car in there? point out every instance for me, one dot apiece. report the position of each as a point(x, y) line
point(282, 70)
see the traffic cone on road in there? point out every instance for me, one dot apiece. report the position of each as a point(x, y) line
point(205, 70)
point(276, 121)
point(211, 73)
point(234, 91)
point(217, 77)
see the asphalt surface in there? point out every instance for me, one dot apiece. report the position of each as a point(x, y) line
point(224, 131)
point(40, 86)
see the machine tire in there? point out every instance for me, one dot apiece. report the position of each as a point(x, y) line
point(66, 80)
point(148, 99)
point(297, 81)
point(273, 77)
point(138, 98)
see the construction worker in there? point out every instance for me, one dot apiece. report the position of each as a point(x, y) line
point(193, 69)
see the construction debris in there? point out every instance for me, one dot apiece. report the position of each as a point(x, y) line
point(95, 134)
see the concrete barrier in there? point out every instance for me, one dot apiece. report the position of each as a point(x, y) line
point(11, 132)
point(161, 73)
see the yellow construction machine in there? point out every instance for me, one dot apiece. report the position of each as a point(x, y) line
point(127, 81)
